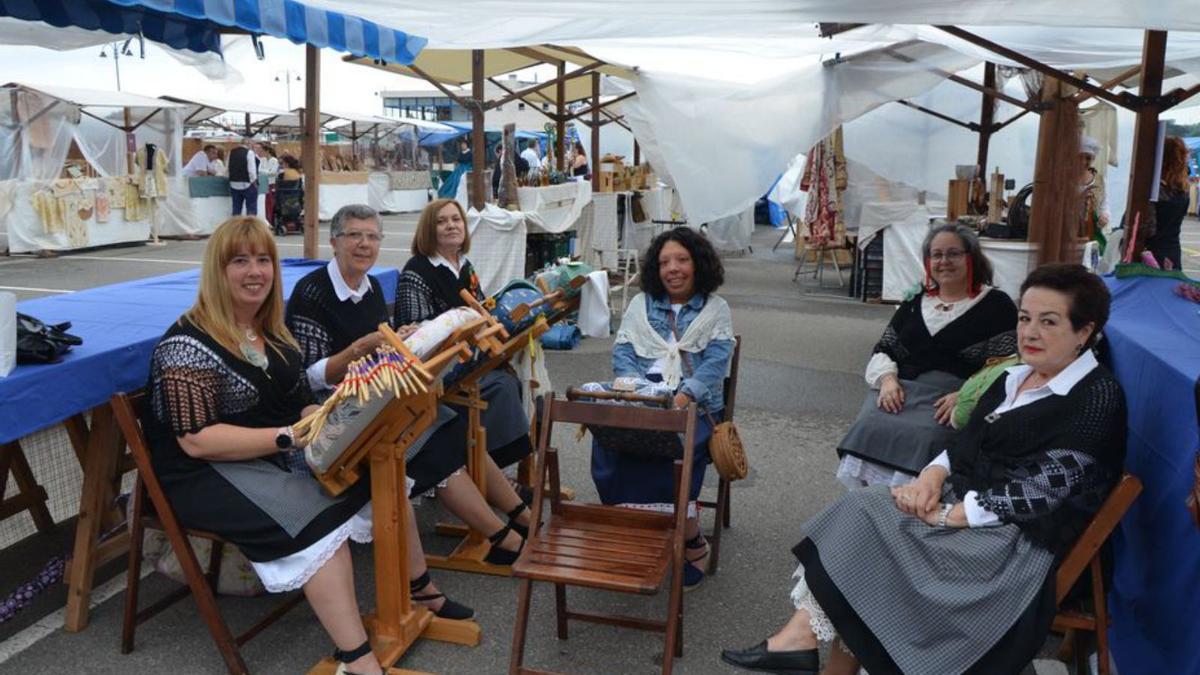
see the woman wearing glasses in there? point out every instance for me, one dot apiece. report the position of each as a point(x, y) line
point(935, 340)
point(335, 312)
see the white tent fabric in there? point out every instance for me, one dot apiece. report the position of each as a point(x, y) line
point(474, 24)
point(725, 143)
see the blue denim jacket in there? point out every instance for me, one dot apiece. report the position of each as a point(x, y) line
point(704, 382)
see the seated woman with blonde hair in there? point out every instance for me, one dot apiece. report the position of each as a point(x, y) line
point(226, 384)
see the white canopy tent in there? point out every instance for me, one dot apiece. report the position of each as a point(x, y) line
point(37, 130)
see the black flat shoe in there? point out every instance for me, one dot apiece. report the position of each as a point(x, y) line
point(799, 662)
point(455, 611)
point(502, 556)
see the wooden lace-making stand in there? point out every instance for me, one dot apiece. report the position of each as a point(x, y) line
point(397, 621)
point(469, 554)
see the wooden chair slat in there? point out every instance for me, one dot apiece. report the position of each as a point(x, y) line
point(604, 547)
point(151, 509)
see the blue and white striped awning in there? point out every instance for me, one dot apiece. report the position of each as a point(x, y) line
point(196, 24)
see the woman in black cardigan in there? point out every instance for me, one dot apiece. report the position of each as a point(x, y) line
point(933, 342)
point(954, 572)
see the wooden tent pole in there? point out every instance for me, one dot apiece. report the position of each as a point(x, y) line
point(1145, 135)
point(986, 118)
point(311, 152)
point(637, 153)
point(595, 131)
point(478, 147)
point(560, 123)
point(986, 123)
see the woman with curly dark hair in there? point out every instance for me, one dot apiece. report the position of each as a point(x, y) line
point(677, 335)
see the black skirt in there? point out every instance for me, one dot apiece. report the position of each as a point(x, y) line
point(204, 500)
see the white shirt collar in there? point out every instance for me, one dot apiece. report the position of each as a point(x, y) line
point(437, 259)
point(1060, 384)
point(342, 289)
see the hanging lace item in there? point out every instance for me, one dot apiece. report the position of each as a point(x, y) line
point(824, 179)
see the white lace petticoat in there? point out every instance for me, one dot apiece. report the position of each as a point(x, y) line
point(802, 599)
point(293, 571)
point(855, 472)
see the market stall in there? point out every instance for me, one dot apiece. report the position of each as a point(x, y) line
point(400, 179)
point(208, 196)
point(82, 168)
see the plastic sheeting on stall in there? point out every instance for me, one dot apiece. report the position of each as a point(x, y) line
point(721, 168)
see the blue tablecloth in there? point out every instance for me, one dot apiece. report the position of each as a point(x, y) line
point(120, 325)
point(1155, 599)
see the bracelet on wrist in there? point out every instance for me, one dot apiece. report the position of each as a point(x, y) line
point(943, 514)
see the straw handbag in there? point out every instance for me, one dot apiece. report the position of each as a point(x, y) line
point(725, 445)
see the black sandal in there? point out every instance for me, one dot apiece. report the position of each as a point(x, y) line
point(520, 529)
point(350, 657)
point(693, 574)
point(501, 556)
point(450, 609)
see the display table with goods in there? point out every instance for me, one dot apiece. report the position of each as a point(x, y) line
point(211, 205)
point(119, 325)
point(73, 213)
point(1154, 598)
point(399, 191)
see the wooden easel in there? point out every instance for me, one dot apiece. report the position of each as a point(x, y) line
point(468, 555)
point(396, 622)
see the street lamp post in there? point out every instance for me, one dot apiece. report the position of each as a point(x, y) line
point(287, 84)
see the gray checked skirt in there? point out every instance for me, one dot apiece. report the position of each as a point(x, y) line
point(908, 597)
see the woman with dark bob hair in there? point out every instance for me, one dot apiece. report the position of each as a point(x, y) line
point(955, 571)
point(676, 337)
point(934, 341)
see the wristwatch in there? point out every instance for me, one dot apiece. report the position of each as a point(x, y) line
point(942, 515)
point(285, 438)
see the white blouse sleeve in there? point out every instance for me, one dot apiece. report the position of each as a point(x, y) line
point(880, 364)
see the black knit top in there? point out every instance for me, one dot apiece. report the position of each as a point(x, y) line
point(325, 325)
point(195, 383)
point(984, 331)
point(1046, 466)
point(425, 290)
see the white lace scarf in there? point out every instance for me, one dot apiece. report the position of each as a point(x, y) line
point(713, 323)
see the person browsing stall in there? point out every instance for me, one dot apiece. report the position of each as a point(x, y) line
point(954, 572)
point(678, 332)
point(201, 163)
point(243, 179)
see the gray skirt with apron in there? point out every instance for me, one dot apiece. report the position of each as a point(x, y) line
point(937, 599)
point(907, 440)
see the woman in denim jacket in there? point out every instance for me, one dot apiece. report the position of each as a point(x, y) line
point(677, 333)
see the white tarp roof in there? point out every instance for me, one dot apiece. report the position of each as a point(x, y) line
point(203, 108)
point(723, 140)
point(477, 24)
point(95, 98)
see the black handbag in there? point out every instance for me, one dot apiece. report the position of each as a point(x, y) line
point(39, 343)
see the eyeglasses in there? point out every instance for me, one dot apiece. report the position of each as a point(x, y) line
point(952, 254)
point(357, 236)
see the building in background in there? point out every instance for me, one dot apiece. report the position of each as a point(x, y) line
point(429, 103)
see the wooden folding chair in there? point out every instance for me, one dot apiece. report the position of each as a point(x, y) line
point(1085, 554)
point(127, 409)
point(723, 504)
point(605, 547)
